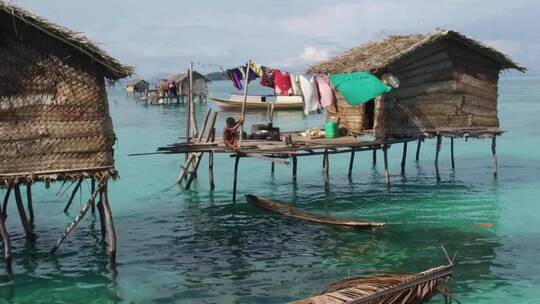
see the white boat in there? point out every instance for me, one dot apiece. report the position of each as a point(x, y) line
point(260, 102)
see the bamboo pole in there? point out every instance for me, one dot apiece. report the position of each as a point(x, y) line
point(437, 150)
point(211, 162)
point(404, 158)
point(326, 169)
point(76, 221)
point(22, 213)
point(386, 172)
point(494, 154)
point(246, 83)
point(29, 203)
point(73, 193)
point(201, 134)
point(351, 163)
point(6, 200)
point(235, 178)
point(198, 156)
point(109, 224)
point(452, 152)
point(6, 239)
point(294, 167)
point(418, 149)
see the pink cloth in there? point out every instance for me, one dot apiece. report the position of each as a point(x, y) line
point(326, 93)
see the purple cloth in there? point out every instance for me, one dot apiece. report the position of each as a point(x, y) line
point(267, 79)
point(236, 77)
point(252, 74)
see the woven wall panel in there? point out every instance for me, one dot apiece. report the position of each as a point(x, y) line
point(54, 114)
point(350, 117)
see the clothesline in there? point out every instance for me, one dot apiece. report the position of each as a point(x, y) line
point(223, 67)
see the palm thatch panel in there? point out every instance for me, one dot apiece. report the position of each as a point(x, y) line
point(54, 114)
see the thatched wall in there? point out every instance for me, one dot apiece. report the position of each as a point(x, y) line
point(444, 86)
point(54, 115)
point(351, 118)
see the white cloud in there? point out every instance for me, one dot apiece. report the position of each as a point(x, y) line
point(312, 54)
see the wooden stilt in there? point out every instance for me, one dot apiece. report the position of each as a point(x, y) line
point(452, 152)
point(326, 169)
point(374, 157)
point(418, 149)
point(294, 167)
point(404, 158)
point(351, 163)
point(211, 170)
point(6, 239)
point(109, 225)
point(494, 153)
point(101, 214)
point(6, 200)
point(272, 168)
point(73, 193)
point(437, 150)
point(198, 156)
point(76, 221)
point(29, 203)
point(22, 213)
point(92, 190)
point(235, 180)
point(386, 172)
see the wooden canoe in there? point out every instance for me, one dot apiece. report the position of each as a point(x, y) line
point(296, 213)
point(228, 104)
point(385, 289)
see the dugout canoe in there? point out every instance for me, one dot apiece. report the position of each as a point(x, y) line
point(296, 213)
point(387, 289)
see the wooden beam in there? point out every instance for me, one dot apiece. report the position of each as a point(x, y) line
point(418, 149)
point(73, 193)
point(437, 150)
point(235, 177)
point(351, 163)
point(386, 172)
point(22, 213)
point(494, 154)
point(404, 158)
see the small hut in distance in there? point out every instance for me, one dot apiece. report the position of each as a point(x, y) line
point(200, 86)
point(137, 87)
point(448, 86)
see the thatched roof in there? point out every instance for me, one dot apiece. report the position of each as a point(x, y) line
point(114, 68)
point(181, 76)
point(377, 55)
point(134, 82)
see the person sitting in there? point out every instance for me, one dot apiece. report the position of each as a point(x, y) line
point(230, 133)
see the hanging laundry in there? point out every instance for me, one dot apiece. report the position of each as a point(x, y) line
point(310, 93)
point(282, 83)
point(295, 85)
point(252, 74)
point(257, 69)
point(326, 94)
point(235, 75)
point(267, 79)
point(358, 87)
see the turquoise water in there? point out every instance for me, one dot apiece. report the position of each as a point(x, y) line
point(197, 247)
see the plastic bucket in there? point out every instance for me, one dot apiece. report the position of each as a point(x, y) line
point(331, 129)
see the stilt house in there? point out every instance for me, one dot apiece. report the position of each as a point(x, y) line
point(137, 87)
point(54, 116)
point(200, 85)
point(448, 86)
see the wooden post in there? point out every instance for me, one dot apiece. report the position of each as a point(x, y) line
point(198, 156)
point(92, 190)
point(294, 166)
point(188, 110)
point(211, 162)
point(246, 83)
point(452, 152)
point(73, 193)
point(29, 203)
point(22, 213)
point(374, 157)
point(404, 158)
point(6, 200)
point(494, 153)
point(101, 212)
point(109, 225)
point(272, 168)
point(351, 162)
point(201, 134)
point(6, 239)
point(386, 172)
point(418, 149)
point(437, 150)
point(326, 169)
point(235, 180)
point(76, 221)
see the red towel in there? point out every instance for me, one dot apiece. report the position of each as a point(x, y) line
point(282, 83)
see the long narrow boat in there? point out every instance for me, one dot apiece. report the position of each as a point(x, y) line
point(296, 213)
point(260, 102)
point(386, 289)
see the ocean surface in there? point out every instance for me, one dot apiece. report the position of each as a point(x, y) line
point(197, 247)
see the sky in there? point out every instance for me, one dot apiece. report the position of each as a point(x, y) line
point(161, 37)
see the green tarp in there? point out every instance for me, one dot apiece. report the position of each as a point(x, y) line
point(359, 87)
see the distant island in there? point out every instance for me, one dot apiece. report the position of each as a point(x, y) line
point(216, 76)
